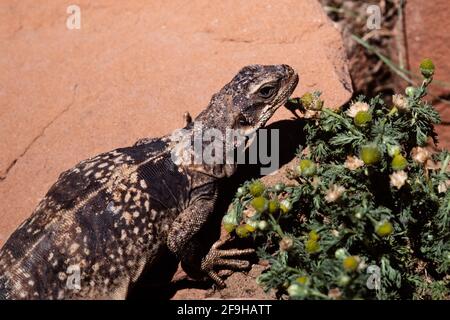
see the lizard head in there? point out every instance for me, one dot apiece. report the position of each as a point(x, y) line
point(248, 101)
point(257, 92)
point(243, 105)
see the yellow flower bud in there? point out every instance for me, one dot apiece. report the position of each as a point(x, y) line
point(274, 206)
point(362, 118)
point(306, 168)
point(259, 203)
point(384, 229)
point(312, 246)
point(256, 188)
point(302, 280)
point(370, 154)
point(427, 68)
point(242, 231)
point(350, 263)
point(399, 162)
point(313, 235)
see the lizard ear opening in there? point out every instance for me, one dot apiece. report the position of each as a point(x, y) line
point(241, 121)
point(242, 124)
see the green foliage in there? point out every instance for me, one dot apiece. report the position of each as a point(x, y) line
point(368, 213)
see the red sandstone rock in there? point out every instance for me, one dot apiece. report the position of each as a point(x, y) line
point(131, 71)
point(427, 24)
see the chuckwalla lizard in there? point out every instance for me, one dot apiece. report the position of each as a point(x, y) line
point(107, 218)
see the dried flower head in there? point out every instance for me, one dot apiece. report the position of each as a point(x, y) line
point(334, 233)
point(334, 293)
point(286, 243)
point(420, 155)
point(315, 182)
point(400, 101)
point(311, 114)
point(398, 179)
point(334, 193)
point(443, 186)
point(353, 163)
point(357, 107)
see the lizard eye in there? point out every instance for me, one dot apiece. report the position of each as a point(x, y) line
point(267, 91)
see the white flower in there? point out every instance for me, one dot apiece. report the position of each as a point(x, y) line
point(353, 163)
point(311, 114)
point(443, 186)
point(357, 107)
point(334, 193)
point(398, 178)
point(335, 233)
point(334, 293)
point(400, 101)
point(420, 155)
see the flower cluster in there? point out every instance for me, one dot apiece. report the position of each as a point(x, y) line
point(369, 204)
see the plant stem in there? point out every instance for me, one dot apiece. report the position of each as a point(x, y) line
point(400, 72)
point(445, 164)
point(344, 121)
point(319, 294)
point(276, 226)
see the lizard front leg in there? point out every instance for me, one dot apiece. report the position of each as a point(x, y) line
point(181, 241)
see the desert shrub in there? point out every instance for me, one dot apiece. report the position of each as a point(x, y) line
point(367, 213)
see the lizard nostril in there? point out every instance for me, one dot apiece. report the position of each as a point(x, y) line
point(288, 69)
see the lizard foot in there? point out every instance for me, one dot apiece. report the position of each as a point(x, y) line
point(221, 258)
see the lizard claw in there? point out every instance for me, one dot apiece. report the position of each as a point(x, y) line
point(215, 258)
point(217, 279)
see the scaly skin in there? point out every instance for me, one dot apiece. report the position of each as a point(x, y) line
point(109, 218)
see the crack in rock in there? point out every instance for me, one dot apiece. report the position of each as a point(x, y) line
point(66, 108)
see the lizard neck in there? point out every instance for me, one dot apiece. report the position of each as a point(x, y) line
point(202, 145)
point(204, 149)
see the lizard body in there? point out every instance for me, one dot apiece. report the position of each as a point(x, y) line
point(107, 219)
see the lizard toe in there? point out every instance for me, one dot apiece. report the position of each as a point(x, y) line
point(217, 279)
point(233, 263)
point(236, 252)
